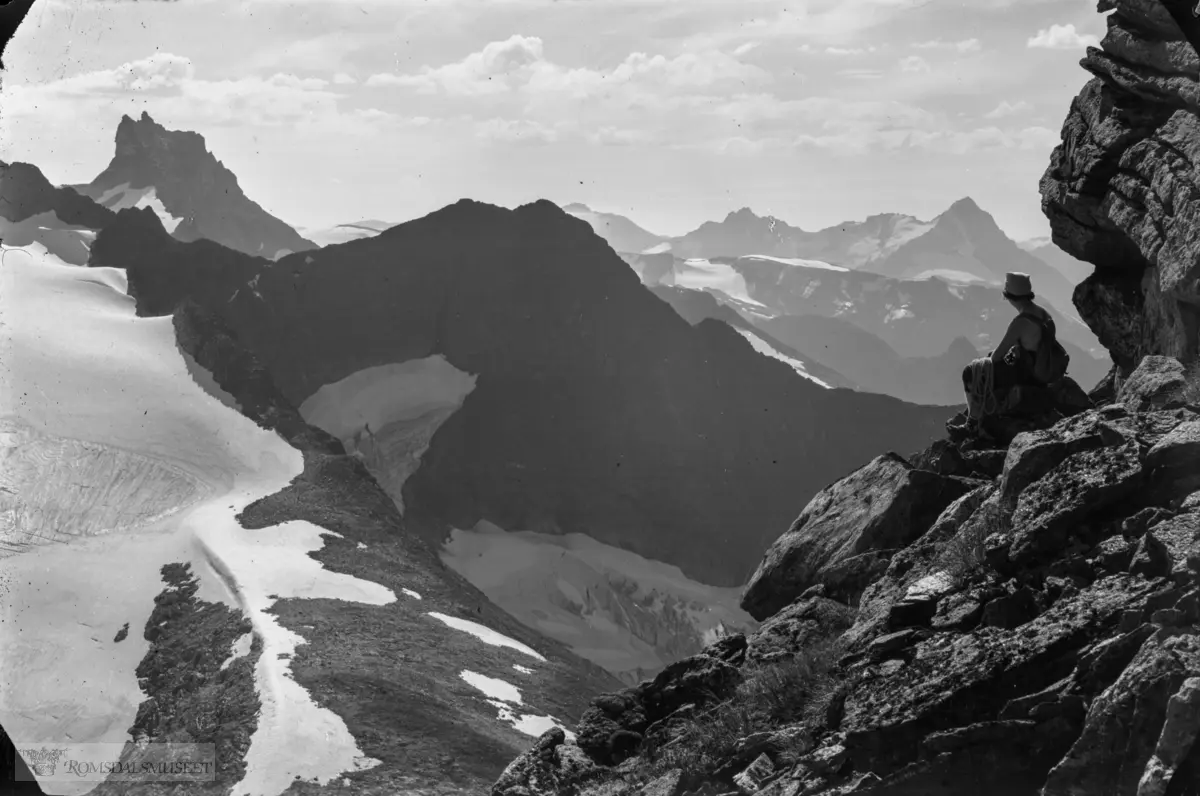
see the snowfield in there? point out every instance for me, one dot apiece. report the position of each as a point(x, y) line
point(117, 462)
point(122, 197)
point(47, 233)
point(795, 262)
point(623, 612)
point(386, 415)
point(765, 348)
point(701, 274)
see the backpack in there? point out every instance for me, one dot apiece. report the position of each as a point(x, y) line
point(1051, 360)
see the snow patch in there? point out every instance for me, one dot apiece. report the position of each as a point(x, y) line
point(658, 248)
point(493, 687)
point(623, 612)
point(522, 669)
point(485, 634)
point(701, 274)
point(239, 649)
point(123, 197)
point(796, 262)
point(361, 546)
point(765, 348)
point(116, 384)
point(49, 235)
point(411, 593)
point(386, 415)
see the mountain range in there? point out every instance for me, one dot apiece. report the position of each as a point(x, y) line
point(479, 443)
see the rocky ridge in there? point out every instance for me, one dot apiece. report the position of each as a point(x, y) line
point(1017, 618)
point(997, 621)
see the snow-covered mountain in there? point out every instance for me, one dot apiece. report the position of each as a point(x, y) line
point(621, 233)
point(962, 244)
point(193, 194)
point(913, 317)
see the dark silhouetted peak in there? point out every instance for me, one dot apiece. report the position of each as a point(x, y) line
point(961, 348)
point(194, 188)
point(25, 192)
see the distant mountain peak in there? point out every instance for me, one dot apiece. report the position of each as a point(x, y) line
point(577, 207)
point(174, 171)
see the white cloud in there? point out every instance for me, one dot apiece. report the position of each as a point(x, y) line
point(519, 63)
point(343, 79)
point(849, 50)
point(1006, 108)
point(167, 85)
point(1062, 37)
point(914, 63)
point(964, 46)
point(523, 131)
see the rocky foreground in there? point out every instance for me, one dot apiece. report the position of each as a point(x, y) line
point(1007, 621)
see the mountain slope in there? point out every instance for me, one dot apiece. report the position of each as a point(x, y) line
point(696, 305)
point(621, 233)
point(597, 408)
point(963, 244)
point(195, 195)
point(59, 220)
point(840, 344)
point(1074, 270)
point(965, 238)
point(342, 233)
point(269, 600)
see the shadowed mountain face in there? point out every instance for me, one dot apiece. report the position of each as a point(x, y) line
point(621, 233)
point(32, 211)
point(697, 305)
point(173, 171)
point(25, 192)
point(839, 344)
point(596, 409)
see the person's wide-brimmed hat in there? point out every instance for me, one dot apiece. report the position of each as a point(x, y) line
point(1017, 286)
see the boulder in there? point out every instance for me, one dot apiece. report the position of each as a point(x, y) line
point(1181, 727)
point(1084, 485)
point(802, 625)
point(752, 778)
point(665, 785)
point(1179, 538)
point(1151, 559)
point(954, 680)
point(1157, 383)
point(1179, 448)
point(1120, 742)
point(1031, 455)
point(884, 505)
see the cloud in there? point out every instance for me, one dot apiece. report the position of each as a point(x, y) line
point(964, 46)
point(522, 131)
point(1062, 37)
point(849, 50)
point(914, 63)
point(167, 85)
point(343, 79)
point(1006, 108)
point(519, 63)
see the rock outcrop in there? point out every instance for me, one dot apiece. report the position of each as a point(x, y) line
point(1018, 621)
point(1123, 188)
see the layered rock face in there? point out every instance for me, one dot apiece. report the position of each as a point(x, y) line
point(1016, 621)
point(1122, 189)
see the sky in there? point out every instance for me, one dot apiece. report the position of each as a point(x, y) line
point(672, 112)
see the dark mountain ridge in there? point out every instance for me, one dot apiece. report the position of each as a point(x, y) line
point(597, 408)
